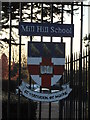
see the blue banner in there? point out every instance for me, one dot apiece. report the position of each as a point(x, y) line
point(46, 29)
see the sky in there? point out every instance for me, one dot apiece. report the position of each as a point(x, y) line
point(76, 39)
point(77, 25)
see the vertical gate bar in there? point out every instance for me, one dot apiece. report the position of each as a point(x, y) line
point(19, 80)
point(68, 112)
point(64, 101)
point(80, 89)
point(51, 5)
point(69, 80)
point(51, 15)
point(82, 82)
point(81, 29)
point(29, 102)
point(61, 101)
point(75, 97)
point(71, 65)
point(77, 86)
point(86, 88)
point(66, 82)
point(40, 104)
point(89, 85)
point(68, 68)
point(74, 89)
point(66, 98)
point(41, 18)
point(62, 19)
point(80, 65)
point(71, 51)
point(83, 85)
point(8, 102)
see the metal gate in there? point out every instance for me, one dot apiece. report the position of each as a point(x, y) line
point(77, 70)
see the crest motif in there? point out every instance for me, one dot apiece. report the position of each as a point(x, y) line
point(46, 62)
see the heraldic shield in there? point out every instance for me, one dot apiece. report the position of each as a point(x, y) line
point(46, 62)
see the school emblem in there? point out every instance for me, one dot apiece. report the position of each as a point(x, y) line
point(46, 62)
point(46, 66)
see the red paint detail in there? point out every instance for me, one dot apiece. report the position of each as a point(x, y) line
point(34, 69)
point(46, 78)
point(58, 69)
point(46, 61)
point(46, 81)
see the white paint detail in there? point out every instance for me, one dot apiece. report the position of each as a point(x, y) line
point(45, 97)
point(37, 79)
point(58, 61)
point(55, 79)
point(46, 69)
point(34, 60)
